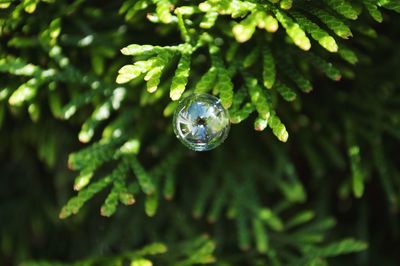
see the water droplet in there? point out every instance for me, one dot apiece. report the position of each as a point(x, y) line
point(201, 122)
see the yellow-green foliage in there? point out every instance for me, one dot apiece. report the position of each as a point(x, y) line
point(109, 75)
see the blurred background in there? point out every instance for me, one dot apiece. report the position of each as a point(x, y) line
point(310, 174)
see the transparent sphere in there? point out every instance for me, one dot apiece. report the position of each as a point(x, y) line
point(201, 122)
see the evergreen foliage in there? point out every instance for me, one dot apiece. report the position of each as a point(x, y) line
point(110, 74)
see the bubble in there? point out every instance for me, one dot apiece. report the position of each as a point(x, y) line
point(201, 122)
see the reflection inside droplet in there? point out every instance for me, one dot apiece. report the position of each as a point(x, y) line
point(200, 122)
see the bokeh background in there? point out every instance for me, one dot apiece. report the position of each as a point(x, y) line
point(310, 174)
